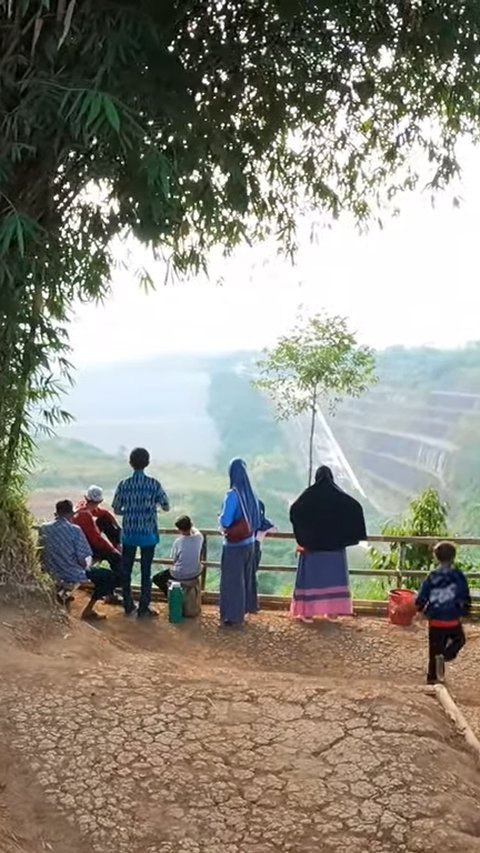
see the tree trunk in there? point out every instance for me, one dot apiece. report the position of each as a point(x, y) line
point(20, 405)
point(313, 420)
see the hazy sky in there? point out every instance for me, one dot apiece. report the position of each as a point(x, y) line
point(415, 282)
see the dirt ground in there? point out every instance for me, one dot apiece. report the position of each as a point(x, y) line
point(153, 738)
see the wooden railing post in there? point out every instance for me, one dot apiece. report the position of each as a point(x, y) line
point(203, 561)
point(401, 564)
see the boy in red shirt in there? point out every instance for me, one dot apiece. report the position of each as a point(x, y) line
point(101, 529)
point(106, 521)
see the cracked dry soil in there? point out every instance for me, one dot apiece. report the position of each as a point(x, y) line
point(155, 740)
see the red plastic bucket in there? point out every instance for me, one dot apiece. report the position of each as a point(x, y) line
point(401, 608)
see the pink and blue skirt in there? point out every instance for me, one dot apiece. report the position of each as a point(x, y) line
point(322, 586)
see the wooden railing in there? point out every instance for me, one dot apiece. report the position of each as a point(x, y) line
point(400, 573)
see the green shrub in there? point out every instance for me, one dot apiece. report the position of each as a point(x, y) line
point(427, 515)
point(20, 571)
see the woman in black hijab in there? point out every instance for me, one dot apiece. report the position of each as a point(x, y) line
point(325, 522)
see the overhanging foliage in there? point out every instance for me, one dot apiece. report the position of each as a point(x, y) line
point(190, 124)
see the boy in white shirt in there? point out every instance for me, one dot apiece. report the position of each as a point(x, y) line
point(186, 553)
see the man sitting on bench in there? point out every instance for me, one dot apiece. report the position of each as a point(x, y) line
point(102, 532)
point(186, 554)
point(66, 555)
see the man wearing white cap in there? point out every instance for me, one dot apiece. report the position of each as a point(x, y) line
point(106, 521)
point(102, 531)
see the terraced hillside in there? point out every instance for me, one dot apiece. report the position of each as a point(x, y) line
point(420, 426)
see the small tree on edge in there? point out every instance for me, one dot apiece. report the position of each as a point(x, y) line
point(320, 359)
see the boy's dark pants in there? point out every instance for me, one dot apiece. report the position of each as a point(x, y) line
point(114, 561)
point(446, 642)
point(146, 556)
point(161, 580)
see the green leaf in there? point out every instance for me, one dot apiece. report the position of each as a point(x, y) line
point(8, 229)
point(93, 102)
point(111, 113)
point(72, 103)
point(67, 22)
point(19, 234)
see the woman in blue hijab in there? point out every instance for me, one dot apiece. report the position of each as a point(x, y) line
point(240, 520)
